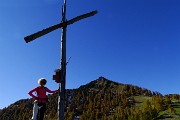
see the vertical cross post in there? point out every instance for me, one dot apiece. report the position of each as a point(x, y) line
point(62, 84)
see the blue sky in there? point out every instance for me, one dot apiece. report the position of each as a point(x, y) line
point(129, 41)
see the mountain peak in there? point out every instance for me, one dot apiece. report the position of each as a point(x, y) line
point(99, 84)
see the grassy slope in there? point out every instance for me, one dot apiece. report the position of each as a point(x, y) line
point(140, 99)
point(164, 115)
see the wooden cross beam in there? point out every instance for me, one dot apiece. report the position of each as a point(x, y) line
point(60, 25)
point(64, 23)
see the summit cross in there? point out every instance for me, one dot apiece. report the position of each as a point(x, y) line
point(63, 24)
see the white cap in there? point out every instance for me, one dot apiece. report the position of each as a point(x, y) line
point(42, 81)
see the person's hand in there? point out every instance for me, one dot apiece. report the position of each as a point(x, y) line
point(57, 91)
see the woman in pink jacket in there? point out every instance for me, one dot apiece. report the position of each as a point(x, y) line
point(40, 98)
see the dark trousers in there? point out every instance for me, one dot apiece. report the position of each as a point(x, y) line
point(42, 109)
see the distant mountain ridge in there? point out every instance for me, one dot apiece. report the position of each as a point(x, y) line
point(102, 99)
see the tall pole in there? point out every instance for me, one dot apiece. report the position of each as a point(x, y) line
point(62, 84)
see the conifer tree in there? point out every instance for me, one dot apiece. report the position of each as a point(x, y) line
point(147, 109)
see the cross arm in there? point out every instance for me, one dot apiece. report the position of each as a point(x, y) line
point(42, 32)
point(52, 28)
point(81, 17)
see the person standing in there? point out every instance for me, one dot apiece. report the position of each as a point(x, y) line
point(40, 99)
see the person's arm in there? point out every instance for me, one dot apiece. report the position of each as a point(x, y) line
point(51, 91)
point(31, 93)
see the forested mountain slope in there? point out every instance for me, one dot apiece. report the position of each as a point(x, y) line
point(103, 99)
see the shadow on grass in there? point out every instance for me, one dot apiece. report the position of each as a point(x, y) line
point(176, 106)
point(138, 102)
point(164, 116)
